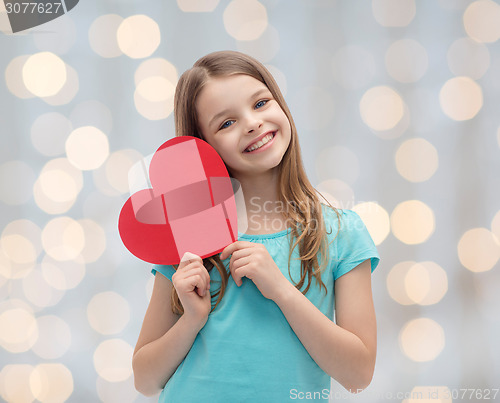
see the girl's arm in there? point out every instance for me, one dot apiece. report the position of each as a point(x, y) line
point(346, 351)
point(164, 340)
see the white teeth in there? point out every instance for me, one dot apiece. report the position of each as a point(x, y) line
point(260, 143)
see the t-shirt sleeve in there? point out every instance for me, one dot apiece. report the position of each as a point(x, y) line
point(354, 244)
point(167, 270)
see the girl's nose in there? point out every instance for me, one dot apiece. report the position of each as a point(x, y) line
point(253, 123)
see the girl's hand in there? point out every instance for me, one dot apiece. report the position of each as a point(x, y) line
point(252, 260)
point(192, 282)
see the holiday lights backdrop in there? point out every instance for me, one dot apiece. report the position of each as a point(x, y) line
point(396, 103)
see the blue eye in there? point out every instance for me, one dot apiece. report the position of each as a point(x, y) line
point(226, 124)
point(260, 104)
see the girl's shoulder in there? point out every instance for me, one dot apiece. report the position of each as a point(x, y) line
point(341, 220)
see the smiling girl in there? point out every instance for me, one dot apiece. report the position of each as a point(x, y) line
point(256, 323)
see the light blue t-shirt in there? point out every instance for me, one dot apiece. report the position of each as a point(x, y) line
point(247, 351)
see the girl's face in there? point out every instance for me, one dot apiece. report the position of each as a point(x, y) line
point(239, 117)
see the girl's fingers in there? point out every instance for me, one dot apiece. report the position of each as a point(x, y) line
point(236, 267)
point(189, 258)
point(194, 270)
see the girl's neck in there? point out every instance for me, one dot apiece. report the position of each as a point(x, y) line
point(260, 193)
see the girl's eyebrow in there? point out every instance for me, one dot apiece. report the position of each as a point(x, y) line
point(226, 111)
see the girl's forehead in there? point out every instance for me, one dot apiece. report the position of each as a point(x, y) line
point(237, 83)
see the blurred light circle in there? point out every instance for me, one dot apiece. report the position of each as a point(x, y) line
point(467, 57)
point(118, 166)
point(381, 108)
point(20, 241)
point(18, 330)
point(18, 248)
point(337, 162)
point(58, 37)
point(426, 283)
point(422, 339)
point(337, 192)
point(264, 48)
point(279, 77)
point(44, 74)
point(478, 250)
point(156, 67)
point(63, 238)
point(412, 222)
point(376, 219)
point(87, 148)
point(353, 67)
point(103, 35)
point(482, 21)
point(60, 183)
point(47, 204)
point(398, 130)
point(245, 20)
point(14, 383)
point(108, 313)
point(416, 160)
point(156, 89)
point(95, 240)
point(111, 392)
point(417, 283)
point(14, 77)
point(5, 270)
point(153, 110)
point(113, 360)
point(197, 6)
point(51, 382)
point(461, 98)
point(12, 270)
point(38, 291)
point(49, 132)
point(138, 36)
point(54, 337)
point(92, 113)
point(16, 182)
point(495, 225)
point(406, 60)
point(316, 108)
point(396, 283)
point(394, 13)
point(63, 275)
point(68, 91)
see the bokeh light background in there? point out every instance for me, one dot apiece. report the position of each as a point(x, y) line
point(397, 106)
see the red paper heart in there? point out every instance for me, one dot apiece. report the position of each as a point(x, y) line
point(190, 206)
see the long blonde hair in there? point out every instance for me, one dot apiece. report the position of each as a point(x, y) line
point(307, 225)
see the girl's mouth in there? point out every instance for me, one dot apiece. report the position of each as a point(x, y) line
point(261, 144)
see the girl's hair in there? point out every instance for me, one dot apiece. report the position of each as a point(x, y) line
point(306, 221)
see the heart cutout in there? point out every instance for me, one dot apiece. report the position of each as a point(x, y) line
point(189, 206)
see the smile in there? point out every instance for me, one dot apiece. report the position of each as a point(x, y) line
point(261, 143)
